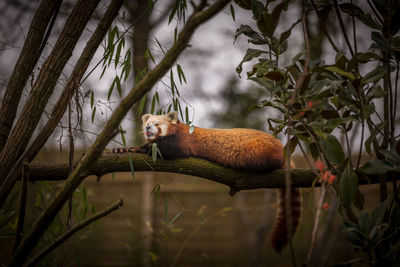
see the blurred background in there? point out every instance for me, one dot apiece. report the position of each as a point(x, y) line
point(169, 217)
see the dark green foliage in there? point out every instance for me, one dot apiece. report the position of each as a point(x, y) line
point(322, 103)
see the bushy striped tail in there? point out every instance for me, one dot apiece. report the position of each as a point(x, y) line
point(120, 150)
point(279, 236)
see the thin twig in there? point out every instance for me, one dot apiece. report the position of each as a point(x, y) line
point(21, 208)
point(71, 160)
point(361, 143)
point(339, 16)
point(354, 31)
point(73, 230)
point(322, 25)
point(316, 223)
point(194, 232)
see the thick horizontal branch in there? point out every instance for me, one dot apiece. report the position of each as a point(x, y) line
point(236, 179)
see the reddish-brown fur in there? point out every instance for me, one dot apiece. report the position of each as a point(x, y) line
point(234, 148)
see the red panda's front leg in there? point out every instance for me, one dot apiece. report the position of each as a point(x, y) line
point(144, 149)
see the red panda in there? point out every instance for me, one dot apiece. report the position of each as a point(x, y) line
point(246, 149)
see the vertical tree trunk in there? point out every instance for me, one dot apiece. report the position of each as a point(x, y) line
point(140, 18)
point(43, 89)
point(71, 87)
point(25, 64)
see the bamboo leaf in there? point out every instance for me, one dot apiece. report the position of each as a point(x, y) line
point(118, 53)
point(153, 104)
point(154, 149)
point(232, 12)
point(110, 90)
point(122, 135)
point(93, 113)
point(181, 75)
point(131, 165)
point(119, 87)
point(91, 98)
point(141, 105)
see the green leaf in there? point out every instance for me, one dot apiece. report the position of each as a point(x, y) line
point(378, 214)
point(380, 42)
point(153, 104)
point(353, 9)
point(91, 98)
point(348, 186)
point(154, 257)
point(118, 53)
point(257, 8)
point(181, 74)
point(154, 150)
point(141, 105)
point(159, 45)
point(122, 135)
point(374, 76)
point(332, 149)
point(254, 36)
point(291, 146)
point(175, 217)
point(232, 12)
point(364, 222)
point(175, 34)
point(127, 64)
point(186, 114)
point(391, 156)
point(110, 90)
point(376, 167)
point(93, 113)
point(171, 76)
point(341, 72)
point(149, 54)
point(285, 35)
point(314, 151)
point(250, 54)
point(119, 87)
point(191, 129)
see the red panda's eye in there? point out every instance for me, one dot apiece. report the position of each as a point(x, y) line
point(157, 124)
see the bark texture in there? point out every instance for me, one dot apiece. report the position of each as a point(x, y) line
point(24, 67)
point(235, 179)
point(71, 87)
point(42, 90)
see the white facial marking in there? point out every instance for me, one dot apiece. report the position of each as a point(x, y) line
point(154, 127)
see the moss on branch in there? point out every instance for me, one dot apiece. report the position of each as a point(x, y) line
point(236, 179)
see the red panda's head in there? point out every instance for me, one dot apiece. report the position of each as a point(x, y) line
point(155, 126)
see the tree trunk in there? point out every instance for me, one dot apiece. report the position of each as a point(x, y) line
point(24, 67)
point(71, 87)
point(43, 89)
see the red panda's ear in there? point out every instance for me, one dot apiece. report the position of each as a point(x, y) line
point(145, 117)
point(172, 117)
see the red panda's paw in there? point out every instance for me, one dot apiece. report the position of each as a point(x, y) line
point(119, 150)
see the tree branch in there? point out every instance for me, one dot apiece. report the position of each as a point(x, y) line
point(236, 179)
point(69, 90)
point(98, 215)
point(26, 62)
point(42, 90)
